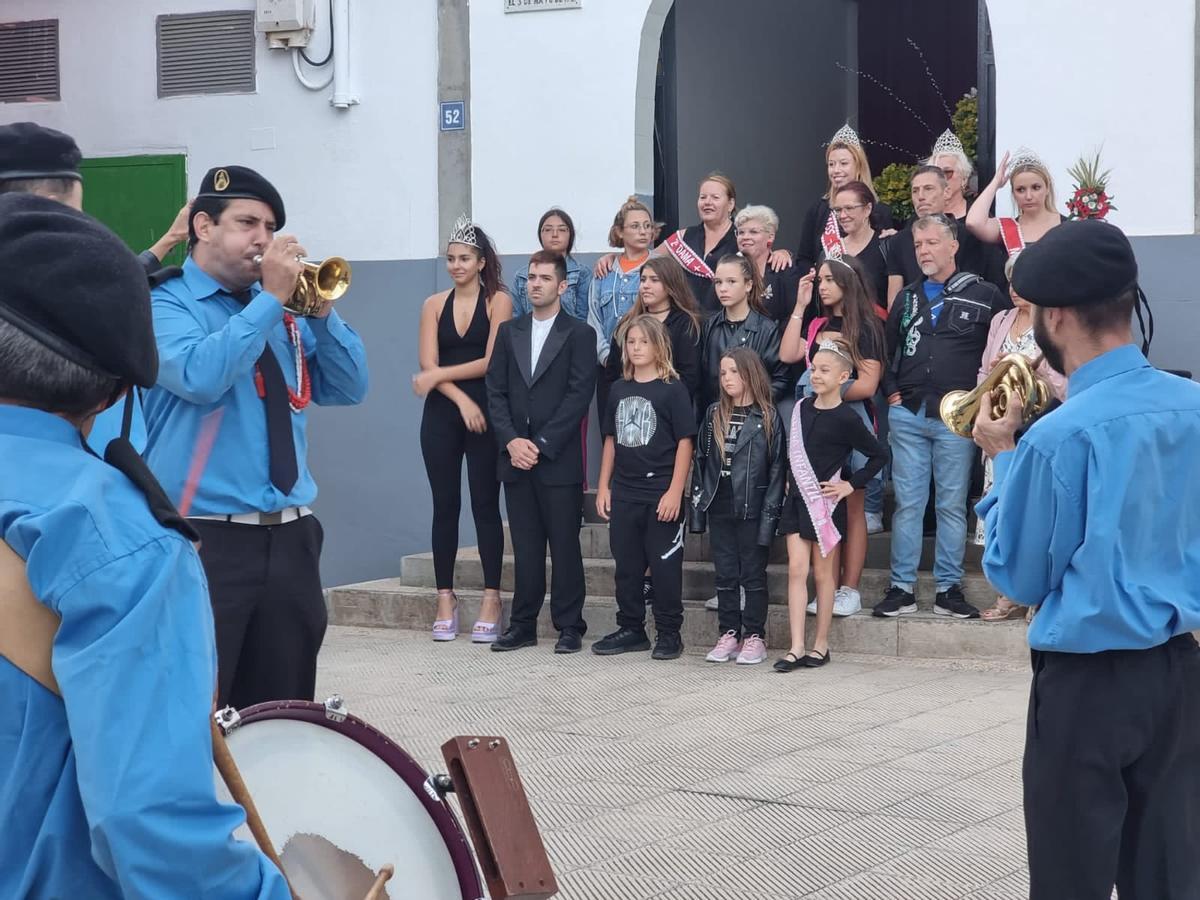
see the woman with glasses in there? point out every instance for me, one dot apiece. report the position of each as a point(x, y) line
point(853, 204)
point(556, 232)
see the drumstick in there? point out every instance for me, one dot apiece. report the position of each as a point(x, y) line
point(381, 879)
point(209, 425)
point(241, 795)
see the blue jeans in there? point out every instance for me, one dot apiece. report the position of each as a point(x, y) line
point(920, 446)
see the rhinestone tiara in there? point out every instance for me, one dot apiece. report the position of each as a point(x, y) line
point(1023, 157)
point(832, 347)
point(464, 233)
point(845, 135)
point(948, 142)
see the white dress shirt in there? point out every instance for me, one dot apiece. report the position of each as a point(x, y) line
point(541, 331)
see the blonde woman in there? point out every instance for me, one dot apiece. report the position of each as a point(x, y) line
point(1033, 197)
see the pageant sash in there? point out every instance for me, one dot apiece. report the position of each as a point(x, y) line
point(1010, 234)
point(820, 508)
point(831, 239)
point(687, 257)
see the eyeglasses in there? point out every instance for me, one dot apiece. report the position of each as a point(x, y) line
point(555, 229)
point(640, 226)
point(840, 210)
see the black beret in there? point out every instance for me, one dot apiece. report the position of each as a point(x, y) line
point(73, 285)
point(1075, 264)
point(28, 150)
point(230, 182)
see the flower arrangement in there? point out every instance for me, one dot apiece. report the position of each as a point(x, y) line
point(892, 187)
point(1091, 199)
point(965, 122)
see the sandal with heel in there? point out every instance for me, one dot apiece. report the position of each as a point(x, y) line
point(447, 629)
point(487, 632)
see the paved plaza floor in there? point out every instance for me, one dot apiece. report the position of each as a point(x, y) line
point(684, 780)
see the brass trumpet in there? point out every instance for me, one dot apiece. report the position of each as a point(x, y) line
point(1013, 380)
point(320, 281)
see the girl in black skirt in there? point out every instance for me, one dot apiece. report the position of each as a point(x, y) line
point(824, 432)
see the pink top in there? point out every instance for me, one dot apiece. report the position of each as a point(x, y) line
point(1001, 323)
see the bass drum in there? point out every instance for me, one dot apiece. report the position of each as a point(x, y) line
point(340, 801)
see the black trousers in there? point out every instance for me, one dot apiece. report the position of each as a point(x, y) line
point(1112, 774)
point(637, 540)
point(445, 441)
point(265, 585)
point(740, 562)
point(540, 513)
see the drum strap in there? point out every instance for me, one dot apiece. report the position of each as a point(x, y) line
point(27, 627)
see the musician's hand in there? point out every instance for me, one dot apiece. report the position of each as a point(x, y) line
point(996, 436)
point(281, 268)
point(323, 312)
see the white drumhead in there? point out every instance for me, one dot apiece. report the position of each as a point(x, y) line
point(315, 787)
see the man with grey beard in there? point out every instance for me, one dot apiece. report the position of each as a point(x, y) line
point(936, 333)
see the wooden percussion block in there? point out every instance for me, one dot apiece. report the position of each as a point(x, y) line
point(501, 824)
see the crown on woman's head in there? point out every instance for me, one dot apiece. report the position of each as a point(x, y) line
point(845, 135)
point(1024, 157)
point(948, 142)
point(464, 233)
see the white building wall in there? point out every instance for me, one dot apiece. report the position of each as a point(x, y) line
point(1077, 75)
point(554, 101)
point(360, 183)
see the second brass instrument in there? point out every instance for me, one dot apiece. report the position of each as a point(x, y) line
point(321, 281)
point(1013, 381)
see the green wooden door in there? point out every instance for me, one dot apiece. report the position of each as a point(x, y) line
point(136, 196)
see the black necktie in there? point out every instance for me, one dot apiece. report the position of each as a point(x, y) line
point(281, 446)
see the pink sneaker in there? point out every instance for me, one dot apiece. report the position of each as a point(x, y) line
point(753, 651)
point(726, 649)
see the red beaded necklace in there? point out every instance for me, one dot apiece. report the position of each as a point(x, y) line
point(297, 401)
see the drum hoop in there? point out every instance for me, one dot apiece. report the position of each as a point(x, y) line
point(388, 751)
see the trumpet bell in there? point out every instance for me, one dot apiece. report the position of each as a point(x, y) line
point(320, 282)
point(1012, 381)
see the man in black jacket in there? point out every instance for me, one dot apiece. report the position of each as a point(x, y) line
point(936, 333)
point(540, 383)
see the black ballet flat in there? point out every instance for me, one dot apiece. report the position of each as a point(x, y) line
point(814, 660)
point(788, 663)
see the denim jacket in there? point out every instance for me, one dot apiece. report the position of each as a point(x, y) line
point(574, 298)
point(609, 299)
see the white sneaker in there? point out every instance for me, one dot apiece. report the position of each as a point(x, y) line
point(714, 602)
point(874, 523)
point(846, 601)
point(812, 606)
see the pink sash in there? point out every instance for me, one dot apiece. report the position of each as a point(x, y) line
point(687, 257)
point(820, 508)
point(1010, 234)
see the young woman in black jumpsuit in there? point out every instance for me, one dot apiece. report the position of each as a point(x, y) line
point(456, 335)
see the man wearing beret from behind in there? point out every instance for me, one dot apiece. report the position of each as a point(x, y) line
point(233, 361)
point(107, 667)
point(42, 161)
point(1093, 519)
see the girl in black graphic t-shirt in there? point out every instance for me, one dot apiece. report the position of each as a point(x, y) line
point(648, 427)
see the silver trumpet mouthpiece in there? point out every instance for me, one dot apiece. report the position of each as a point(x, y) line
point(258, 260)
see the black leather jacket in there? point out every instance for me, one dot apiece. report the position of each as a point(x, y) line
point(755, 332)
point(758, 473)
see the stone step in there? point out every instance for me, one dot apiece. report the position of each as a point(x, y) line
point(590, 514)
point(593, 540)
point(390, 603)
point(698, 579)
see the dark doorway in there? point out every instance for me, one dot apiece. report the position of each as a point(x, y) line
point(900, 120)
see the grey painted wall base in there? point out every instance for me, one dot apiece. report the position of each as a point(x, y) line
point(374, 498)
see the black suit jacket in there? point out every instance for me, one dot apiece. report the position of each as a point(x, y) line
point(546, 405)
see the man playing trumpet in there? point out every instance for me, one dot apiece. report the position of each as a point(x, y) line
point(1093, 518)
point(237, 372)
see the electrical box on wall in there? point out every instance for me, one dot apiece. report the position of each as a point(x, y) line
point(286, 23)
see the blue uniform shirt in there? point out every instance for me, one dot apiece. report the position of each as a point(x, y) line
point(108, 792)
point(107, 426)
point(208, 344)
point(1096, 514)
